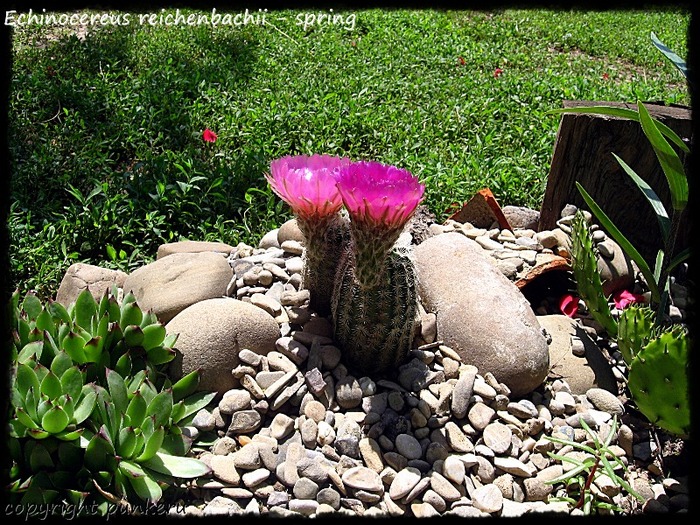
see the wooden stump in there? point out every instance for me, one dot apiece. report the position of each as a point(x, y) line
point(583, 152)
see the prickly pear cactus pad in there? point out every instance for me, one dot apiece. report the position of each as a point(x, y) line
point(634, 330)
point(658, 382)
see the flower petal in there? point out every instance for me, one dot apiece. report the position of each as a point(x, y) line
point(568, 304)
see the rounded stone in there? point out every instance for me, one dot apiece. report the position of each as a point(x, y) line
point(348, 392)
point(169, 285)
point(497, 437)
point(404, 482)
point(408, 446)
point(211, 334)
point(304, 488)
point(605, 401)
point(498, 331)
point(81, 276)
point(289, 231)
point(454, 469)
point(488, 498)
point(234, 400)
point(363, 478)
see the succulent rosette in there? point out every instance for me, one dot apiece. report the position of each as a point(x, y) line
point(380, 199)
point(308, 185)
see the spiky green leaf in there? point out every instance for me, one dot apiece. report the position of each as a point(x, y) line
point(55, 420)
point(30, 351)
point(85, 407)
point(117, 390)
point(84, 309)
point(153, 444)
point(32, 306)
point(161, 406)
point(178, 467)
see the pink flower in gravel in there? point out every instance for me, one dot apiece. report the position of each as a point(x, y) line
point(624, 298)
point(307, 184)
point(379, 195)
point(568, 304)
point(209, 136)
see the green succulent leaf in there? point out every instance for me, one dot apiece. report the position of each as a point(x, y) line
point(51, 386)
point(123, 365)
point(32, 306)
point(44, 322)
point(170, 340)
point(93, 350)
point(85, 407)
point(196, 402)
point(30, 403)
point(55, 420)
point(161, 406)
point(30, 351)
point(153, 444)
point(70, 435)
point(117, 389)
point(160, 355)
point(153, 335)
point(136, 410)
point(25, 418)
point(25, 379)
point(38, 433)
point(148, 390)
point(23, 330)
point(73, 344)
point(177, 467)
point(72, 382)
point(133, 336)
point(97, 451)
point(50, 345)
point(130, 315)
point(61, 363)
point(146, 488)
point(40, 459)
point(126, 443)
point(85, 309)
point(59, 312)
point(69, 454)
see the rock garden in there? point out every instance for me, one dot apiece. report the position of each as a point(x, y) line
point(369, 362)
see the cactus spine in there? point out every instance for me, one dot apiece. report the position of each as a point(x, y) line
point(658, 381)
point(374, 325)
point(585, 268)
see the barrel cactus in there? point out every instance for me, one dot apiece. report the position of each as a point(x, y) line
point(375, 299)
point(375, 324)
point(585, 268)
point(658, 381)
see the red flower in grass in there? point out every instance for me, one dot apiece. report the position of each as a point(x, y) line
point(497, 72)
point(462, 62)
point(606, 76)
point(568, 304)
point(209, 136)
point(624, 298)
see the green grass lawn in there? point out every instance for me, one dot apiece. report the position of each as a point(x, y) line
point(105, 131)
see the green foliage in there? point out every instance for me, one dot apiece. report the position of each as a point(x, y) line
point(93, 417)
point(584, 259)
point(656, 353)
point(599, 460)
point(105, 132)
point(659, 381)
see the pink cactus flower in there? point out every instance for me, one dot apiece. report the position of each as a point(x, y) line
point(624, 298)
point(379, 195)
point(307, 184)
point(568, 304)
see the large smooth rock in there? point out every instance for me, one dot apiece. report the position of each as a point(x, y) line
point(521, 217)
point(289, 231)
point(81, 276)
point(212, 333)
point(480, 313)
point(581, 373)
point(171, 284)
point(193, 247)
point(616, 272)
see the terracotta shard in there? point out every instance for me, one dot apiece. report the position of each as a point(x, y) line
point(551, 262)
point(481, 211)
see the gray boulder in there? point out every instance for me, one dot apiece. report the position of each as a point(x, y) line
point(581, 373)
point(212, 333)
point(193, 247)
point(169, 285)
point(480, 313)
point(80, 276)
point(521, 217)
